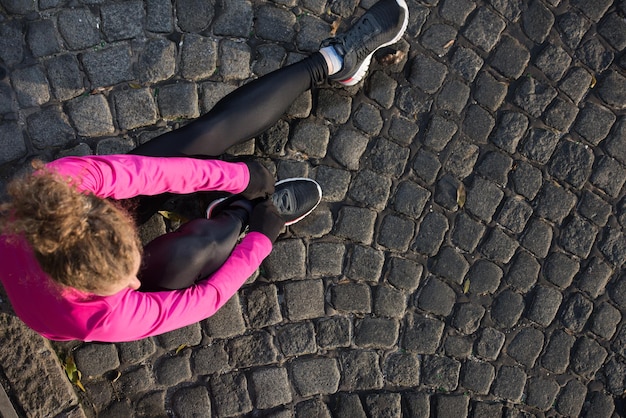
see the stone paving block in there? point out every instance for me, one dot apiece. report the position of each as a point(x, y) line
point(227, 321)
point(437, 38)
point(404, 274)
point(426, 165)
point(135, 381)
point(484, 29)
point(230, 394)
point(79, 28)
point(534, 96)
point(352, 297)
point(235, 19)
point(619, 343)
point(402, 369)
point(612, 96)
point(544, 305)
point(510, 57)
point(427, 74)
point(275, 378)
point(594, 54)
point(410, 199)
point(612, 29)
point(401, 130)
point(157, 61)
point(209, 359)
point(458, 347)
point(523, 272)
point(159, 16)
point(439, 133)
point(312, 31)
point(334, 182)
point(598, 404)
point(109, 146)
point(467, 63)
point(254, 349)
point(384, 404)
point(212, 92)
point(616, 141)
point(109, 66)
point(436, 297)
point(389, 302)
point(489, 92)
point(515, 214)
point(613, 247)
point(310, 408)
point(578, 236)
point(467, 317)
point(538, 238)
point(446, 192)
point(452, 405)
point(483, 199)
point(262, 306)
point(50, 127)
point(509, 383)
point(233, 60)
point(537, 20)
point(575, 313)
point(333, 106)
point(311, 139)
point(560, 269)
point(604, 320)
point(489, 344)
point(333, 332)
point(30, 86)
point(198, 57)
point(91, 115)
point(495, 166)
point(152, 405)
point(381, 88)
point(356, 224)
point(136, 351)
point(268, 58)
point(609, 175)
point(440, 373)
point(304, 299)
point(122, 20)
point(461, 159)
point(8, 103)
point(614, 374)
point(42, 38)
point(366, 263)
point(326, 258)
point(170, 371)
point(370, 188)
point(576, 84)
point(105, 353)
point(395, 233)
point(507, 308)
point(360, 371)
point(486, 410)
point(526, 347)
point(560, 114)
point(573, 27)
point(178, 101)
point(510, 129)
point(467, 232)
point(416, 404)
point(572, 162)
point(477, 376)
point(313, 376)
point(190, 401)
point(499, 247)
point(134, 108)
point(347, 405)
point(453, 96)
point(118, 408)
point(594, 123)
point(541, 393)
point(347, 146)
point(456, 11)
point(587, 357)
point(484, 277)
point(11, 46)
point(296, 339)
point(477, 124)
point(422, 334)
point(451, 265)
point(571, 398)
point(287, 261)
point(554, 202)
point(553, 61)
point(593, 10)
point(556, 355)
point(387, 158)
point(376, 332)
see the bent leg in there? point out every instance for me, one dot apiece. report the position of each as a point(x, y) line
point(242, 114)
point(196, 250)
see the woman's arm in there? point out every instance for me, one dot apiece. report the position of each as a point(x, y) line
point(125, 176)
point(139, 315)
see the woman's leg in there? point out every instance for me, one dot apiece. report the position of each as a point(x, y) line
point(242, 114)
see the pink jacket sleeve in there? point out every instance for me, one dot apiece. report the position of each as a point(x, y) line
point(126, 176)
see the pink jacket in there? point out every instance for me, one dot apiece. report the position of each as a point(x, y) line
point(68, 314)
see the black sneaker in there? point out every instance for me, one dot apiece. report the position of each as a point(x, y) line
point(295, 198)
point(382, 25)
point(233, 201)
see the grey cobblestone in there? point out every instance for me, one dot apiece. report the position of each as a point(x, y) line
point(467, 317)
point(484, 29)
point(436, 297)
point(440, 373)
point(489, 91)
point(296, 339)
point(523, 272)
point(572, 162)
point(484, 277)
point(510, 57)
point(571, 398)
point(366, 264)
point(404, 274)
point(507, 308)
point(604, 320)
point(560, 269)
point(426, 166)
point(489, 344)
point(360, 371)
point(450, 264)
point(542, 393)
point(430, 233)
point(333, 332)
point(526, 347)
point(422, 335)
point(477, 124)
point(315, 376)
point(477, 376)
point(556, 356)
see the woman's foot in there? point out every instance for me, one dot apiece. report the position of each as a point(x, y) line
point(295, 198)
point(382, 25)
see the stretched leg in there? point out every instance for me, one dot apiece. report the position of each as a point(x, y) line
point(242, 114)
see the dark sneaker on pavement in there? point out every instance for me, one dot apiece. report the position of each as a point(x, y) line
point(233, 201)
point(295, 198)
point(382, 25)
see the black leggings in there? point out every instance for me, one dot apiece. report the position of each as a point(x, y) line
point(178, 259)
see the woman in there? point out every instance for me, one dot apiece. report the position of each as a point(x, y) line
point(73, 266)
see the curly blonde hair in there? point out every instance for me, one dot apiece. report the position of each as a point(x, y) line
point(79, 239)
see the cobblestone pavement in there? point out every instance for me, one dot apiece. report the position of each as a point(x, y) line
point(466, 259)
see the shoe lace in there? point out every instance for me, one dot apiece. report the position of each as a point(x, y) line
point(284, 201)
point(357, 37)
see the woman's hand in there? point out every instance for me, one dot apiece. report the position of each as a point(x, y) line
point(261, 183)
